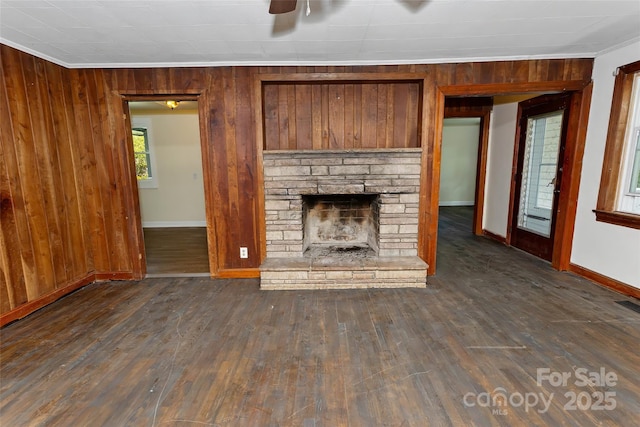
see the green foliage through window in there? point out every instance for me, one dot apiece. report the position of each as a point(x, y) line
point(141, 153)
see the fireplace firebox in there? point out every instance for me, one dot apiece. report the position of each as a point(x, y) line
point(340, 225)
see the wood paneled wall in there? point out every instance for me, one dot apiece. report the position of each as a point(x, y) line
point(45, 176)
point(305, 116)
point(69, 207)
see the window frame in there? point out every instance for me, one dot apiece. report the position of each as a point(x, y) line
point(614, 154)
point(632, 146)
point(145, 123)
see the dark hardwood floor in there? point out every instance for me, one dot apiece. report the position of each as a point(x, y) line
point(467, 350)
point(176, 251)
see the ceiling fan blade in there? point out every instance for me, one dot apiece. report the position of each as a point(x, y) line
point(282, 6)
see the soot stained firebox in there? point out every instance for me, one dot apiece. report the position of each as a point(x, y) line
point(340, 225)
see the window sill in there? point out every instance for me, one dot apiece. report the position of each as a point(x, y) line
point(618, 218)
point(147, 184)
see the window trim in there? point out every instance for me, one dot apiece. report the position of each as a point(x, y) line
point(145, 122)
point(614, 150)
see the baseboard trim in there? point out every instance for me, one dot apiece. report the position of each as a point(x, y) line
point(457, 203)
point(494, 236)
point(239, 273)
point(115, 275)
point(605, 281)
point(173, 224)
point(38, 303)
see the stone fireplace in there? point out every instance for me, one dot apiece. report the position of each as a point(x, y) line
point(342, 219)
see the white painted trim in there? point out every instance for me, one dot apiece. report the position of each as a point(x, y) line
point(618, 46)
point(320, 63)
point(36, 53)
point(355, 62)
point(169, 224)
point(457, 203)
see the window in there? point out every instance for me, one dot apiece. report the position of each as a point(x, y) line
point(619, 196)
point(629, 197)
point(143, 153)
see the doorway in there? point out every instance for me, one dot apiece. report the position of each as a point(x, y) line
point(541, 136)
point(467, 163)
point(168, 164)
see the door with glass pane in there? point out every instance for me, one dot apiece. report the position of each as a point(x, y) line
point(541, 140)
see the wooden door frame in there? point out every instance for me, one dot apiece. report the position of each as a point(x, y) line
point(522, 106)
point(139, 262)
point(572, 164)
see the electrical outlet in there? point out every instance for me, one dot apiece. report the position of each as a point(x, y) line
point(244, 252)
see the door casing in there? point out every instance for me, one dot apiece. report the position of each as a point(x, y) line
point(528, 241)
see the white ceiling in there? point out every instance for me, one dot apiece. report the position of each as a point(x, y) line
point(146, 33)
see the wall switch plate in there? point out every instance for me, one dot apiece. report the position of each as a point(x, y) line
point(244, 253)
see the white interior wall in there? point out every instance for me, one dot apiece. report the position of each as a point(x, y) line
point(178, 201)
point(459, 161)
point(607, 249)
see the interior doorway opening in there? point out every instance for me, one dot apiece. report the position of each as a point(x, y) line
point(458, 176)
point(168, 164)
point(497, 168)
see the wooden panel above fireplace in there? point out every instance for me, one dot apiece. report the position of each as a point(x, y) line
point(341, 115)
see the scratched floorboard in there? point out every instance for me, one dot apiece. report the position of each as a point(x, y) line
point(201, 352)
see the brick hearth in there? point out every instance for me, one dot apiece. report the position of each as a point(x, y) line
point(391, 176)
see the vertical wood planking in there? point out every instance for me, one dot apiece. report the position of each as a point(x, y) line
point(75, 162)
point(340, 115)
point(17, 249)
point(42, 235)
point(349, 116)
point(90, 169)
point(291, 109)
point(283, 117)
point(303, 117)
point(232, 231)
point(246, 153)
point(70, 217)
point(270, 120)
point(381, 115)
point(316, 117)
point(390, 121)
point(12, 291)
point(369, 115)
point(433, 103)
point(324, 115)
point(102, 139)
point(215, 143)
point(68, 202)
point(401, 103)
point(27, 162)
point(336, 116)
point(357, 116)
point(48, 164)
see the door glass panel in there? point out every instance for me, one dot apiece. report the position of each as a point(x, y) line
point(539, 173)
